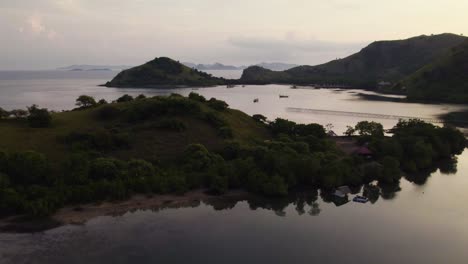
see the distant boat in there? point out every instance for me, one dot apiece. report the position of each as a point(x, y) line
point(283, 96)
point(360, 199)
point(194, 89)
point(230, 86)
point(294, 87)
point(255, 100)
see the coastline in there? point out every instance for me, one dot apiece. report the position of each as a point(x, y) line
point(80, 214)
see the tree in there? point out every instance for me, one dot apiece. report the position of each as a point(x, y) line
point(197, 97)
point(349, 131)
point(102, 102)
point(259, 118)
point(39, 117)
point(366, 128)
point(217, 104)
point(391, 170)
point(85, 101)
point(19, 113)
point(141, 96)
point(125, 98)
point(3, 113)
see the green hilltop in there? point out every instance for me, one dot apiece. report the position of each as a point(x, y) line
point(162, 72)
point(388, 61)
point(446, 79)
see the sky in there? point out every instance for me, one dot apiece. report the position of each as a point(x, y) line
point(46, 34)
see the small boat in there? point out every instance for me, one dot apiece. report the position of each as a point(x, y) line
point(255, 100)
point(194, 89)
point(230, 86)
point(360, 199)
point(283, 96)
point(294, 87)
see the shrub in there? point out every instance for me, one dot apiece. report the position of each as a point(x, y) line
point(140, 169)
point(172, 124)
point(225, 132)
point(197, 97)
point(217, 104)
point(28, 168)
point(39, 117)
point(104, 168)
point(108, 112)
point(125, 98)
point(259, 118)
point(140, 96)
point(214, 119)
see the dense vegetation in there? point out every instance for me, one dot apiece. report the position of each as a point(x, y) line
point(444, 80)
point(163, 72)
point(173, 144)
point(388, 61)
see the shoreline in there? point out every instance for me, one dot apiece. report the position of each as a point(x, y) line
point(80, 214)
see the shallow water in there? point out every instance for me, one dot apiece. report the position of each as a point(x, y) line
point(59, 90)
point(419, 223)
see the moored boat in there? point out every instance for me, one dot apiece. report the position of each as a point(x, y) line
point(360, 199)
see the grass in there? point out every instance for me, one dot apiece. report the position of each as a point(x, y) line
point(146, 139)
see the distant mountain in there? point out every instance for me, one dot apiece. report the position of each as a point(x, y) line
point(211, 67)
point(445, 80)
point(163, 72)
point(381, 61)
point(276, 66)
point(86, 67)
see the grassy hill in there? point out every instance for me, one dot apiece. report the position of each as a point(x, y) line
point(157, 128)
point(444, 80)
point(388, 61)
point(163, 72)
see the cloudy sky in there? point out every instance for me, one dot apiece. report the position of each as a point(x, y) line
point(44, 34)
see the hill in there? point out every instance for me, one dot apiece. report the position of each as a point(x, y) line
point(173, 144)
point(445, 80)
point(163, 72)
point(387, 61)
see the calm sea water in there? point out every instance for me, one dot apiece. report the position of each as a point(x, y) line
point(423, 220)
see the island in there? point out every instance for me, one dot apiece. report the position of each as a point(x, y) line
point(163, 72)
point(168, 146)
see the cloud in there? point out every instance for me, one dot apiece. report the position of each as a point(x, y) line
point(292, 48)
point(291, 43)
point(35, 26)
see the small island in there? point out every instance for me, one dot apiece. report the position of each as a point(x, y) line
point(162, 73)
point(171, 145)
